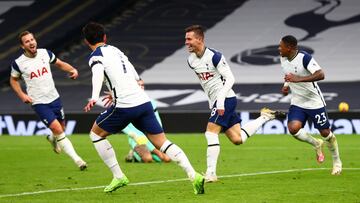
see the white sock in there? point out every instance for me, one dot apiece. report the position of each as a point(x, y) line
point(51, 136)
point(251, 127)
point(176, 154)
point(107, 154)
point(303, 136)
point(332, 144)
point(67, 147)
point(213, 151)
point(329, 136)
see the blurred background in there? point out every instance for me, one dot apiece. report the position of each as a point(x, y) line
point(151, 34)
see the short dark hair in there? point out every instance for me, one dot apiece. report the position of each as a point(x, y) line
point(22, 34)
point(197, 29)
point(290, 41)
point(94, 32)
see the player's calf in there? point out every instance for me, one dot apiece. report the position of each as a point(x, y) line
point(320, 157)
point(54, 144)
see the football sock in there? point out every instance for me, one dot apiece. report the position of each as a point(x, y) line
point(303, 136)
point(251, 127)
point(332, 144)
point(107, 154)
point(51, 136)
point(328, 138)
point(213, 151)
point(176, 154)
point(67, 147)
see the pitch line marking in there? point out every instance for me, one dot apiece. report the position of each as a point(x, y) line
point(169, 181)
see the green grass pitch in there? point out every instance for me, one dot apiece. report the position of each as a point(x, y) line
point(267, 168)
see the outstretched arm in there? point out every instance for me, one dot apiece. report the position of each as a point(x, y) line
point(67, 68)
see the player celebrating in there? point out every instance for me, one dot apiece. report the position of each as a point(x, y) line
point(132, 105)
point(34, 67)
point(217, 80)
point(301, 73)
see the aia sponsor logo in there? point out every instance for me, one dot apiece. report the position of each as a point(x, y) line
point(205, 75)
point(38, 73)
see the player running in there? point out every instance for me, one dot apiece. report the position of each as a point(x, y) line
point(216, 79)
point(132, 105)
point(307, 102)
point(33, 66)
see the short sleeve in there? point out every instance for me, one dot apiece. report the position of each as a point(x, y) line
point(94, 61)
point(96, 58)
point(313, 66)
point(15, 70)
point(52, 57)
point(216, 57)
point(222, 64)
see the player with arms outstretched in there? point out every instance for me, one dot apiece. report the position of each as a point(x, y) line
point(33, 66)
point(132, 105)
point(307, 102)
point(216, 79)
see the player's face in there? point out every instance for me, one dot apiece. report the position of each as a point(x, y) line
point(284, 50)
point(193, 42)
point(29, 44)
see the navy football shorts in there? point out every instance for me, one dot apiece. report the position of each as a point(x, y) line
point(142, 117)
point(319, 116)
point(230, 116)
point(49, 112)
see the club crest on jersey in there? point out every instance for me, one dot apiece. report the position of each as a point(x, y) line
point(205, 75)
point(38, 73)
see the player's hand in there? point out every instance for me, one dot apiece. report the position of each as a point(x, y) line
point(107, 99)
point(89, 105)
point(73, 74)
point(221, 111)
point(26, 99)
point(291, 78)
point(285, 90)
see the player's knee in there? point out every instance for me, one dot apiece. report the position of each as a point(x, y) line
point(293, 129)
point(56, 127)
point(325, 132)
point(237, 141)
point(56, 130)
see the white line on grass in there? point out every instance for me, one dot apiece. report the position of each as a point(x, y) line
point(168, 181)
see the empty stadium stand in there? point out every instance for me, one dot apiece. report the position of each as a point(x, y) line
point(151, 33)
point(56, 23)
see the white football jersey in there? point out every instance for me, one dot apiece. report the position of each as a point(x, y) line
point(304, 94)
point(214, 74)
point(37, 75)
point(119, 76)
